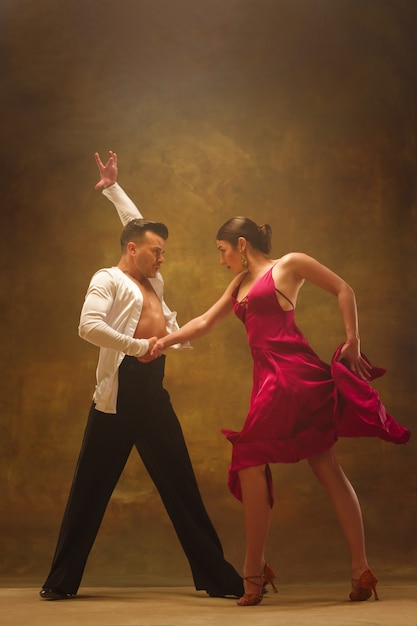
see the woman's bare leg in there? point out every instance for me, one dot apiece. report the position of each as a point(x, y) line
point(257, 516)
point(346, 505)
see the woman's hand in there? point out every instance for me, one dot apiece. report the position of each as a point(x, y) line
point(158, 348)
point(149, 356)
point(351, 354)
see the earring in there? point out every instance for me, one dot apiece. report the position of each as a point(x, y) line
point(244, 260)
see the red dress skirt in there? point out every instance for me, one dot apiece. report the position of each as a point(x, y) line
point(299, 405)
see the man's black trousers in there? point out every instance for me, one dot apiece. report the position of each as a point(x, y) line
point(145, 419)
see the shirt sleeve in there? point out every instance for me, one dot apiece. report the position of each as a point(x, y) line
point(94, 327)
point(125, 207)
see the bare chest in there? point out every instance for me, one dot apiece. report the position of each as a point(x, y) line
point(152, 320)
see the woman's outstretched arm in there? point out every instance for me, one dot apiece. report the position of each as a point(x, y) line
point(201, 325)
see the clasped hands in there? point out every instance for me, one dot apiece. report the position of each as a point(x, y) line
point(156, 348)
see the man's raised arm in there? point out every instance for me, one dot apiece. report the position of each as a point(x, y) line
point(126, 209)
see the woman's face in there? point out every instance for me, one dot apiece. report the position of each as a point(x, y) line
point(230, 257)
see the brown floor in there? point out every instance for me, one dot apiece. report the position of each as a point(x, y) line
point(295, 605)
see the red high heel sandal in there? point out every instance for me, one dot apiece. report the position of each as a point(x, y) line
point(267, 578)
point(364, 586)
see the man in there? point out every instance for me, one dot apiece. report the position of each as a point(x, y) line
point(123, 314)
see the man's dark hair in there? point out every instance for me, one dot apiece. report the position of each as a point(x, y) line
point(136, 229)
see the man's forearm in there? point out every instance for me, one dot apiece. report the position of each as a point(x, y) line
point(97, 332)
point(126, 208)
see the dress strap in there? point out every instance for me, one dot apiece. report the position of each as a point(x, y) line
point(284, 296)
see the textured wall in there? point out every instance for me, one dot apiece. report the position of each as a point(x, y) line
point(300, 113)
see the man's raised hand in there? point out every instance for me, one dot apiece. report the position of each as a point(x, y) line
point(108, 171)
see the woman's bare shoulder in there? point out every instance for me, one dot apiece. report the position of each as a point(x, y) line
point(292, 259)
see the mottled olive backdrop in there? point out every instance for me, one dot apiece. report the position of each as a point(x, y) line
point(300, 113)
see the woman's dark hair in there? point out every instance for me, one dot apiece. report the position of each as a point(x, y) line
point(135, 230)
point(258, 236)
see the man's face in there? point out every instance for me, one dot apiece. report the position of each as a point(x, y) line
point(148, 254)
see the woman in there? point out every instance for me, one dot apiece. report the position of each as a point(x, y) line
point(299, 405)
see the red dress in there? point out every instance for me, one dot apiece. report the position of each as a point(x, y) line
point(299, 405)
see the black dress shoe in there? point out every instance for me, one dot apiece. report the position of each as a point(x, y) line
point(217, 593)
point(233, 594)
point(55, 594)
